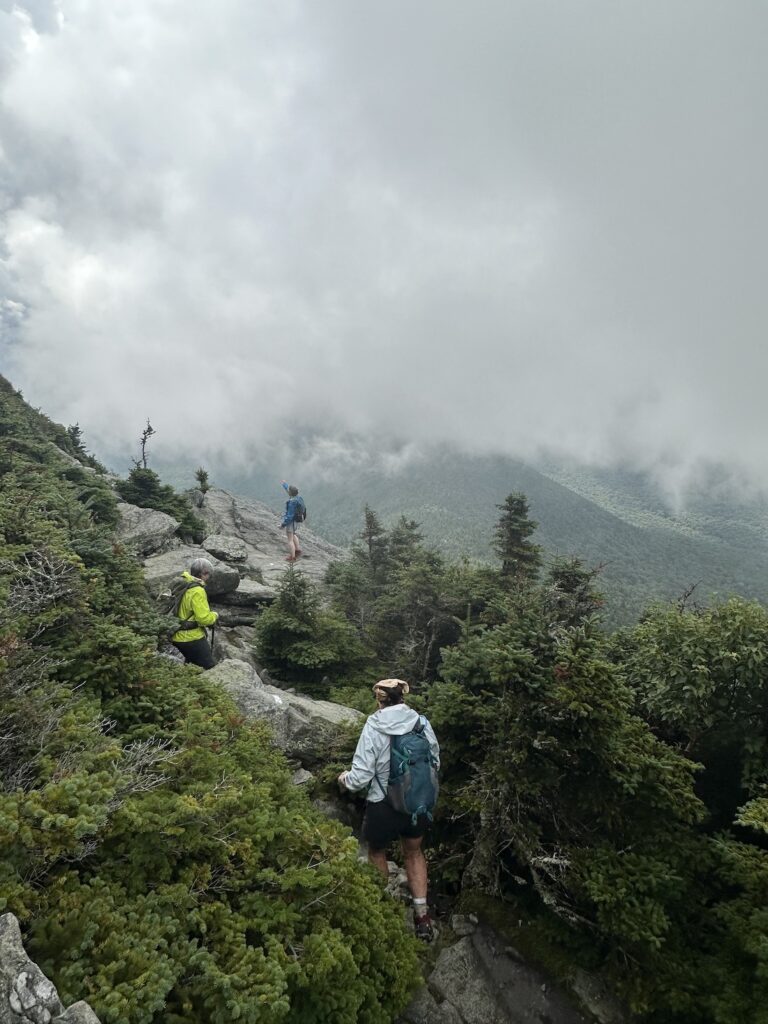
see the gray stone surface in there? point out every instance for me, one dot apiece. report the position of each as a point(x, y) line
point(144, 530)
point(463, 924)
point(459, 979)
point(26, 995)
point(303, 728)
point(601, 1003)
point(78, 1013)
point(160, 570)
point(250, 594)
point(258, 526)
point(341, 809)
point(234, 616)
point(228, 549)
point(425, 1009)
point(237, 642)
point(480, 981)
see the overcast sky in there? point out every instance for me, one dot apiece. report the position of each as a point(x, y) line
point(513, 225)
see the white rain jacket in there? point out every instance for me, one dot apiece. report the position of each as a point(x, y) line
point(371, 761)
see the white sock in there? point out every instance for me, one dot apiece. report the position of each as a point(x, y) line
point(420, 907)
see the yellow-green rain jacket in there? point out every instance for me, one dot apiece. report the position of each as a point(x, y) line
point(194, 605)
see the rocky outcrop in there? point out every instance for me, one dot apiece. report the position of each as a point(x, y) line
point(242, 607)
point(250, 593)
point(26, 995)
point(303, 728)
point(479, 980)
point(258, 527)
point(244, 544)
point(234, 617)
point(144, 530)
point(238, 644)
point(228, 549)
point(593, 993)
point(161, 570)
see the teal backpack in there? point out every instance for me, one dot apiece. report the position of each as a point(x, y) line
point(413, 787)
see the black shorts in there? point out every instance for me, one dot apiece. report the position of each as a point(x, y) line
point(382, 825)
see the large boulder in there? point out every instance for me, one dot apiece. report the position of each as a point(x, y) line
point(249, 594)
point(228, 549)
point(237, 642)
point(161, 570)
point(303, 728)
point(233, 616)
point(26, 995)
point(144, 530)
point(425, 1009)
point(459, 980)
point(479, 980)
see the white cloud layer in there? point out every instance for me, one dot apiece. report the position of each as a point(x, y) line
point(517, 226)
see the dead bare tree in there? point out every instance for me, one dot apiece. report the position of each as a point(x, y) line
point(39, 581)
point(147, 432)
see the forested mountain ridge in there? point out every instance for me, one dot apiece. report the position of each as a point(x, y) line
point(619, 521)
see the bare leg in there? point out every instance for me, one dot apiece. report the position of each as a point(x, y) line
point(415, 868)
point(290, 536)
point(379, 860)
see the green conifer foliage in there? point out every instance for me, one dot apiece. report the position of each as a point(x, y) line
point(520, 559)
point(304, 642)
point(160, 860)
point(568, 792)
point(569, 591)
point(144, 488)
point(374, 536)
point(404, 602)
point(700, 678)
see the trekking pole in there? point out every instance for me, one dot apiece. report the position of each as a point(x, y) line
point(213, 637)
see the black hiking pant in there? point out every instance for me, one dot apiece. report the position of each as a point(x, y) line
point(196, 652)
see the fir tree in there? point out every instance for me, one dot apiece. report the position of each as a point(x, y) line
point(520, 559)
point(147, 432)
point(145, 489)
point(569, 591)
point(301, 641)
point(374, 536)
point(76, 437)
point(201, 475)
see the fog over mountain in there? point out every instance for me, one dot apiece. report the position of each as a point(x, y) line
point(517, 227)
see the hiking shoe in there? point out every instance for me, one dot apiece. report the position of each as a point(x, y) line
point(290, 558)
point(424, 928)
point(298, 554)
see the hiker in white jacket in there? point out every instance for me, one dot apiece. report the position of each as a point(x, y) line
point(382, 824)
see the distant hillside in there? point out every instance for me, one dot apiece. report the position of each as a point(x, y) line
point(611, 518)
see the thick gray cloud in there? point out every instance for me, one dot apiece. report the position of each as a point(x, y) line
point(518, 226)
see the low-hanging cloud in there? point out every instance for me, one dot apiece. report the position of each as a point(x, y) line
point(513, 226)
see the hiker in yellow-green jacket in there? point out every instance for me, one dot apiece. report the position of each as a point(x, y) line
point(194, 614)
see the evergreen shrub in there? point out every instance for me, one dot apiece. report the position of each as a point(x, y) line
point(162, 864)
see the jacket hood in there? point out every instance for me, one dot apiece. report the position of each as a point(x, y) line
point(394, 721)
point(192, 579)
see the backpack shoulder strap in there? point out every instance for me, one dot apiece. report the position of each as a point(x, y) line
point(186, 589)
